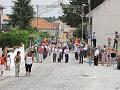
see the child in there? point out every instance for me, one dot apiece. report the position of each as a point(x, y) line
point(2, 63)
point(90, 61)
point(8, 59)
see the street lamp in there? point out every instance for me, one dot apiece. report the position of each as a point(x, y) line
point(89, 23)
point(82, 16)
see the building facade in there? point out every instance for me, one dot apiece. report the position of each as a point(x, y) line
point(106, 20)
point(1, 16)
point(44, 26)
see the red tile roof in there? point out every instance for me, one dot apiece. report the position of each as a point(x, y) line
point(42, 24)
point(56, 25)
point(6, 18)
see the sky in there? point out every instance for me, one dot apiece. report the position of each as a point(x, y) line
point(42, 12)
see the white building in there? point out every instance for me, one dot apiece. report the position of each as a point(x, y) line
point(1, 15)
point(106, 20)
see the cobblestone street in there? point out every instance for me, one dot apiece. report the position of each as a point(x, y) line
point(62, 76)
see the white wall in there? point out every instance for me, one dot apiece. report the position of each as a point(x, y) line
point(12, 55)
point(106, 20)
point(1, 14)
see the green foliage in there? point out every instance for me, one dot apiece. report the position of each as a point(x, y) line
point(73, 11)
point(14, 38)
point(51, 19)
point(22, 14)
point(44, 34)
point(78, 32)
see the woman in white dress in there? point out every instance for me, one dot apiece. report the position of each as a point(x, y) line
point(8, 59)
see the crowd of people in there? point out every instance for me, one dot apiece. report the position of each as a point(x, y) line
point(5, 62)
point(105, 55)
point(58, 50)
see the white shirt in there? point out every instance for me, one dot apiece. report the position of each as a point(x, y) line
point(94, 36)
point(66, 51)
point(76, 49)
point(86, 47)
point(55, 50)
point(28, 60)
point(60, 50)
point(97, 52)
point(8, 61)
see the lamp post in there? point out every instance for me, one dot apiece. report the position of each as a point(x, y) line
point(82, 16)
point(89, 22)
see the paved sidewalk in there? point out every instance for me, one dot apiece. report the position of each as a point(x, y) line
point(7, 74)
point(65, 76)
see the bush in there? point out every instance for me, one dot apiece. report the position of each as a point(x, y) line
point(14, 38)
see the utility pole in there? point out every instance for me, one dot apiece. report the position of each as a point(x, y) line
point(89, 23)
point(37, 16)
point(82, 16)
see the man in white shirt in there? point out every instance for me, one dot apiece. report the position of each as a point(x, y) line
point(115, 40)
point(66, 54)
point(94, 39)
point(76, 52)
point(97, 52)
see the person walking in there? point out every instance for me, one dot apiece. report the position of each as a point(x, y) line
point(85, 50)
point(76, 52)
point(104, 54)
point(81, 55)
point(45, 52)
point(96, 57)
point(94, 39)
point(108, 58)
point(55, 50)
point(17, 61)
point(115, 40)
point(66, 54)
point(113, 57)
point(63, 49)
point(2, 64)
point(29, 59)
point(60, 54)
point(49, 49)
point(40, 53)
point(8, 59)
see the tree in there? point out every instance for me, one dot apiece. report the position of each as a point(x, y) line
point(22, 14)
point(14, 38)
point(73, 11)
point(51, 19)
